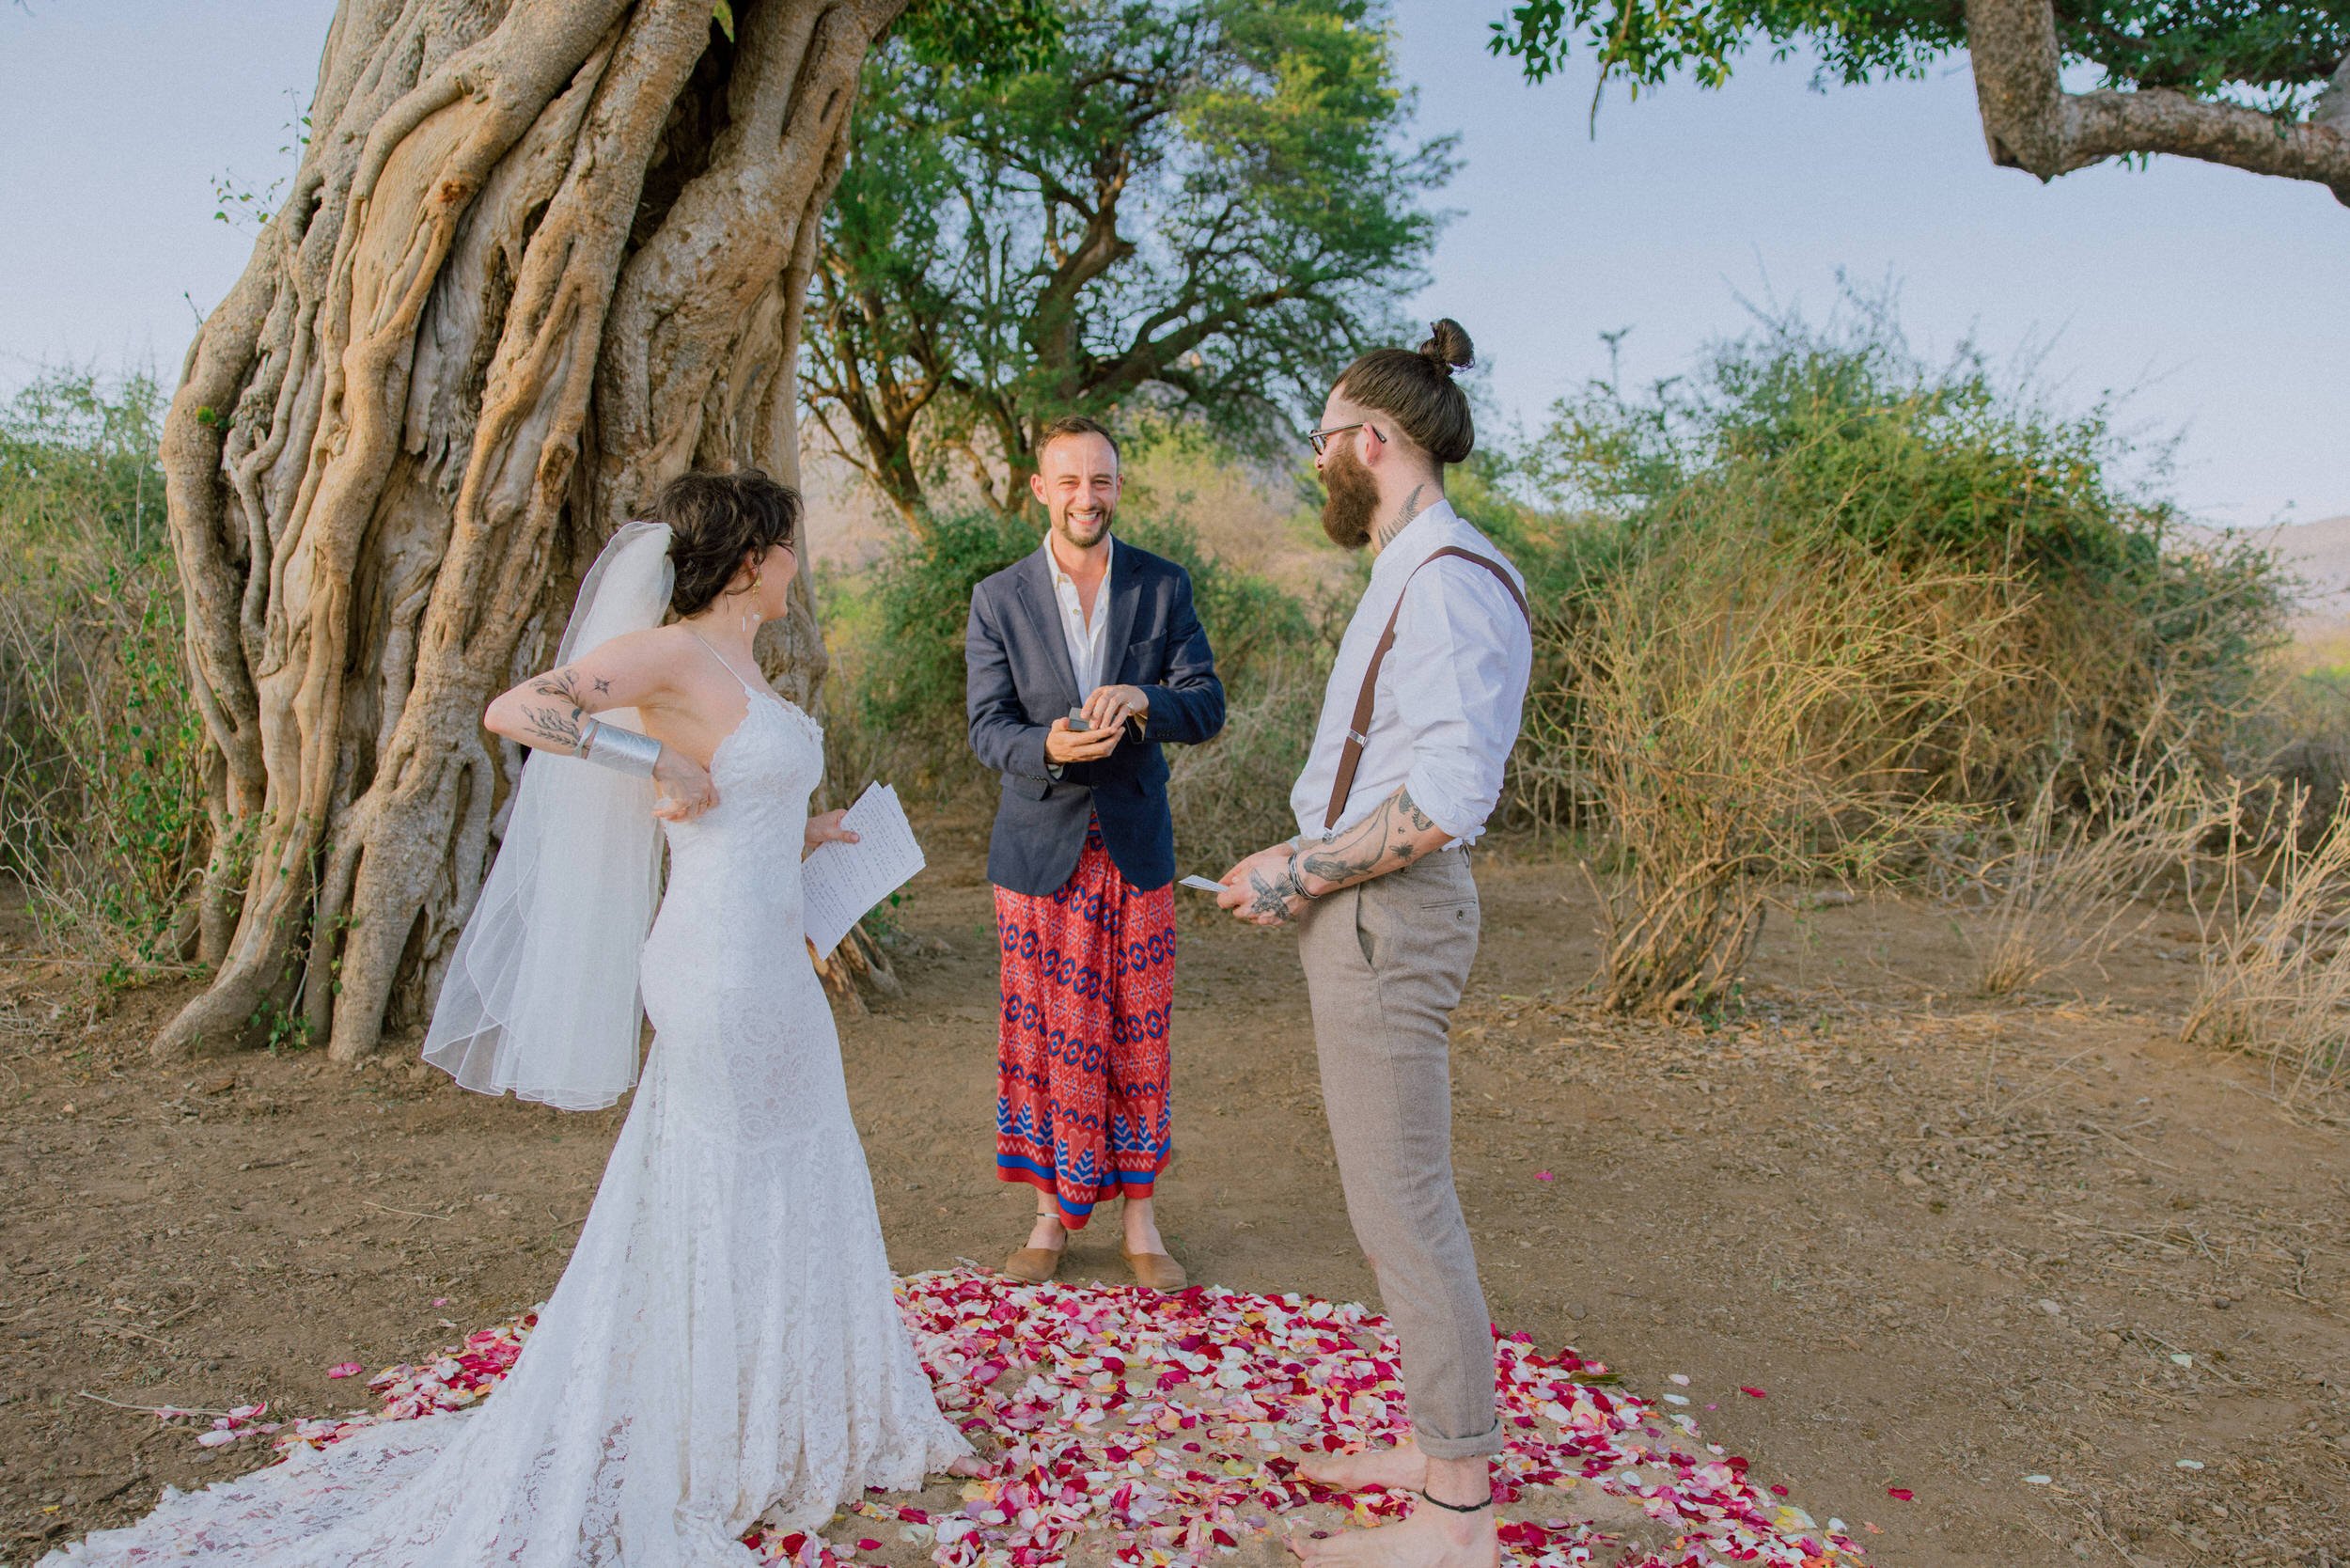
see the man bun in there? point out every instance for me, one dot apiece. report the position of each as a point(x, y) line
point(1414, 389)
point(1448, 346)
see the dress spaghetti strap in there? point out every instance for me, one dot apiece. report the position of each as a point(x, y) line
point(748, 690)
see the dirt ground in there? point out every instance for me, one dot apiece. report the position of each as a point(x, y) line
point(1958, 1244)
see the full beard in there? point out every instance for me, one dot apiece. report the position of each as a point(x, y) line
point(1084, 535)
point(1352, 504)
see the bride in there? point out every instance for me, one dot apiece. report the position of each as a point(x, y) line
point(724, 1347)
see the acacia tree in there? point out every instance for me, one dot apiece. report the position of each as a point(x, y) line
point(2257, 84)
point(539, 256)
point(1204, 205)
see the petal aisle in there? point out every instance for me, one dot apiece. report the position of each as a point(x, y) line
point(1161, 1430)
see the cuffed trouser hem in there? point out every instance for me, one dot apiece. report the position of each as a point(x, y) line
point(1458, 1447)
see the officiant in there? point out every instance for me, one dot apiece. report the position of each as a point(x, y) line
point(1084, 660)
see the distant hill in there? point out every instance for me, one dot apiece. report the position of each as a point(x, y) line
point(2319, 553)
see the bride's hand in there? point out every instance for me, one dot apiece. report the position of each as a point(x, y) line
point(823, 830)
point(685, 791)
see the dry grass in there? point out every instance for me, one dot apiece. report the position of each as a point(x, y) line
point(2062, 885)
point(2275, 979)
point(1751, 714)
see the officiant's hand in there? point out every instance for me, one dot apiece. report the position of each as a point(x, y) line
point(1110, 707)
point(1063, 745)
point(683, 786)
point(1262, 890)
point(823, 830)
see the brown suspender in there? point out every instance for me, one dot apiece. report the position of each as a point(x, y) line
point(1358, 729)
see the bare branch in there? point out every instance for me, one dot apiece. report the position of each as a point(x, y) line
point(2332, 109)
point(2033, 124)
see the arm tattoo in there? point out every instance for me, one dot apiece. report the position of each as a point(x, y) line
point(603, 688)
point(1409, 811)
point(553, 728)
point(1402, 518)
point(1383, 841)
point(557, 726)
point(1267, 898)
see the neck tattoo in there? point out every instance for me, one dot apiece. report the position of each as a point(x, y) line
point(1402, 518)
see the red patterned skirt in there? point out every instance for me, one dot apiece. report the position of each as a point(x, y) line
point(1081, 1064)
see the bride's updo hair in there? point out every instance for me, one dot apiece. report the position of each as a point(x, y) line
point(1414, 389)
point(715, 521)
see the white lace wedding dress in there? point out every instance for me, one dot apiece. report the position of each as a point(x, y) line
point(724, 1345)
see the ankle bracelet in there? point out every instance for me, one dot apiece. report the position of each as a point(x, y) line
point(1457, 1508)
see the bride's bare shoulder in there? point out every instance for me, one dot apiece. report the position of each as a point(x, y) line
point(657, 650)
point(657, 666)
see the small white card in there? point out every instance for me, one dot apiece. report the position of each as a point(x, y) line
point(1203, 884)
point(840, 882)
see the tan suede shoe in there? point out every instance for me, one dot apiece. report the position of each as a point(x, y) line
point(1033, 1266)
point(1155, 1271)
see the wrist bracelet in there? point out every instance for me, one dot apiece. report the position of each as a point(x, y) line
point(621, 750)
point(1297, 879)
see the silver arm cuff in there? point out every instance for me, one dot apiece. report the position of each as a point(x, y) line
point(623, 751)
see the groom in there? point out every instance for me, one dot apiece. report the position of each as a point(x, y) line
point(1420, 714)
point(1083, 659)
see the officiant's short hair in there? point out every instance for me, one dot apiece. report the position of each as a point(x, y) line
point(1076, 424)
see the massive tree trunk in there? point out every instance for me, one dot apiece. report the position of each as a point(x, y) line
point(541, 257)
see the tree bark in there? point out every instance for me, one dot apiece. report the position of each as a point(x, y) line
point(541, 257)
point(2033, 124)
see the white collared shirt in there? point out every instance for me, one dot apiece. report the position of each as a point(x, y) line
point(1451, 691)
point(1085, 640)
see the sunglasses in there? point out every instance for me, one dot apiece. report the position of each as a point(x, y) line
point(1320, 439)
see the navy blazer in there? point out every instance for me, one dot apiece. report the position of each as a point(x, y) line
point(1018, 680)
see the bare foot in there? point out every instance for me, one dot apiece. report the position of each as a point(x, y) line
point(1430, 1538)
point(1048, 1234)
point(1399, 1468)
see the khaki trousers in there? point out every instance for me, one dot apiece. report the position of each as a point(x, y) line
point(1385, 963)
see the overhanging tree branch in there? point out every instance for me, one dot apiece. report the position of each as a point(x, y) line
point(2033, 124)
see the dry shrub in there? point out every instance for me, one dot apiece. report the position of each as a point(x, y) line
point(2276, 978)
point(1231, 797)
point(1750, 715)
point(2124, 627)
point(2063, 882)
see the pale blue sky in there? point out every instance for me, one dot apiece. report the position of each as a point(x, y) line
point(2223, 298)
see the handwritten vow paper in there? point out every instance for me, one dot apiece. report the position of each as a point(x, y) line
point(840, 882)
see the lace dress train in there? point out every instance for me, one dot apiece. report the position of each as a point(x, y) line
point(725, 1343)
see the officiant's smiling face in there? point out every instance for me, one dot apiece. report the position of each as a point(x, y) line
point(1078, 481)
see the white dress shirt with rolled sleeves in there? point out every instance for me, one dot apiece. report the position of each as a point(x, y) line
point(1451, 693)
